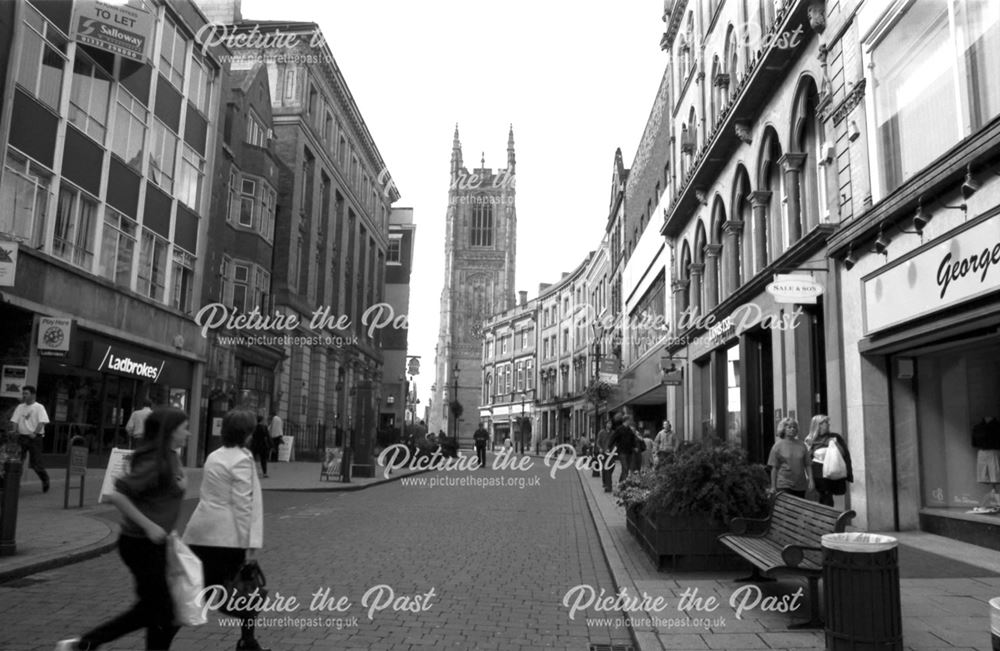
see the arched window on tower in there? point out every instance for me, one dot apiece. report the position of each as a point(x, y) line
point(482, 223)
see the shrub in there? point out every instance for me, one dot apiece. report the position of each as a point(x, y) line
point(709, 478)
point(635, 489)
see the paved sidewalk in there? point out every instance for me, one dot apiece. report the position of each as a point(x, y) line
point(49, 536)
point(950, 613)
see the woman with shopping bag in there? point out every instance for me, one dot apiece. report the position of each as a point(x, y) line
point(228, 523)
point(831, 460)
point(149, 498)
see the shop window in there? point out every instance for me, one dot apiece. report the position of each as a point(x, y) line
point(118, 247)
point(152, 266)
point(173, 51)
point(24, 198)
point(163, 150)
point(130, 129)
point(183, 280)
point(90, 96)
point(43, 59)
point(191, 177)
point(75, 226)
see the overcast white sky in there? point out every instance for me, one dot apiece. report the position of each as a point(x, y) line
point(576, 79)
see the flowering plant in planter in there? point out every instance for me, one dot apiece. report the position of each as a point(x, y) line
point(635, 489)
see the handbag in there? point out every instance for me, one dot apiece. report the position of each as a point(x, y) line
point(249, 578)
point(185, 581)
point(834, 466)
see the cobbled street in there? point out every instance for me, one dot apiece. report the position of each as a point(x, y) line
point(498, 558)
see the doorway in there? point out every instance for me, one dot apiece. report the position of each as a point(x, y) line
point(758, 390)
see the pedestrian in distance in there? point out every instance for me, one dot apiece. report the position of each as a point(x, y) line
point(260, 444)
point(228, 523)
point(29, 420)
point(818, 442)
point(607, 458)
point(136, 425)
point(277, 431)
point(149, 499)
point(647, 451)
point(666, 443)
point(480, 438)
point(623, 444)
point(789, 460)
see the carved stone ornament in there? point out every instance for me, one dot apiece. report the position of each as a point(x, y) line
point(743, 132)
point(817, 16)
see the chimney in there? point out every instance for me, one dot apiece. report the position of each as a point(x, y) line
point(226, 12)
point(522, 298)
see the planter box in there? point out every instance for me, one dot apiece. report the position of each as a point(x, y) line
point(682, 542)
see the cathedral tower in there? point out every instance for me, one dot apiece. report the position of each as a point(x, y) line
point(479, 250)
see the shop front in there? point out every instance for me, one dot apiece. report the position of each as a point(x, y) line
point(931, 346)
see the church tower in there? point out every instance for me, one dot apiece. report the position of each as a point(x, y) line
point(479, 250)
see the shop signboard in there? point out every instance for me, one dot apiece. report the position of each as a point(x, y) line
point(116, 359)
point(608, 372)
point(12, 380)
point(8, 263)
point(958, 267)
point(54, 336)
point(122, 29)
point(794, 288)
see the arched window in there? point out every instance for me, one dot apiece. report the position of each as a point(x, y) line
point(807, 138)
point(693, 131)
point(488, 389)
point(732, 61)
point(714, 271)
point(771, 180)
point(698, 275)
point(684, 274)
point(689, 39)
point(482, 222)
point(714, 96)
point(741, 211)
point(685, 151)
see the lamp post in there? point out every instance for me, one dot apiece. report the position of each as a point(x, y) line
point(402, 407)
point(452, 416)
point(524, 395)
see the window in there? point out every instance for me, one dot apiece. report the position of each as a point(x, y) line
point(256, 132)
point(248, 193)
point(233, 200)
point(241, 289)
point(267, 213)
point(328, 129)
point(183, 279)
point(173, 51)
point(313, 107)
point(290, 75)
point(520, 376)
point(342, 152)
point(482, 224)
point(932, 83)
point(191, 176)
point(227, 288)
point(89, 96)
point(393, 253)
point(163, 149)
point(24, 198)
point(43, 59)
point(130, 129)
point(200, 86)
point(117, 247)
point(529, 372)
point(152, 266)
point(75, 226)
point(565, 340)
point(261, 288)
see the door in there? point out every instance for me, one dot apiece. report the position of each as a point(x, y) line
point(758, 391)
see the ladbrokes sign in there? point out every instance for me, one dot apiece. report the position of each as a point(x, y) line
point(125, 362)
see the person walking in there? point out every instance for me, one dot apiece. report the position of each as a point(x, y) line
point(228, 523)
point(647, 450)
point(623, 444)
point(666, 442)
point(606, 458)
point(789, 461)
point(818, 442)
point(260, 444)
point(149, 499)
point(277, 431)
point(29, 419)
point(137, 421)
point(481, 437)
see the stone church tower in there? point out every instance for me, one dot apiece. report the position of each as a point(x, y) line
point(479, 251)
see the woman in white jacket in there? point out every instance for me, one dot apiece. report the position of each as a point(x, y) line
point(228, 522)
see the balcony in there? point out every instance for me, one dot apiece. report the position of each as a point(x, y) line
point(762, 77)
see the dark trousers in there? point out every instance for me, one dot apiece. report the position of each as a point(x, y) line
point(219, 565)
point(261, 455)
point(33, 444)
point(801, 494)
point(481, 454)
point(154, 611)
point(628, 464)
point(607, 469)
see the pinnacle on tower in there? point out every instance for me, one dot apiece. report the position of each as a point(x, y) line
point(510, 148)
point(456, 153)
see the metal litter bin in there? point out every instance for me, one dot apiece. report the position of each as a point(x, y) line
point(861, 592)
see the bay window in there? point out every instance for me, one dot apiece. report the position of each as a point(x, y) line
point(191, 177)
point(163, 150)
point(247, 193)
point(43, 58)
point(130, 129)
point(24, 198)
point(117, 247)
point(76, 218)
point(173, 52)
point(240, 282)
point(152, 266)
point(90, 96)
point(200, 86)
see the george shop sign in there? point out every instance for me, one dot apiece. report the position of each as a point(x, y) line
point(948, 271)
point(126, 362)
point(794, 288)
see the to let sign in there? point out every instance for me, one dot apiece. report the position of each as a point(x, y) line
point(119, 28)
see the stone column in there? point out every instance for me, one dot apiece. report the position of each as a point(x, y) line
point(732, 232)
point(695, 304)
point(759, 202)
point(711, 279)
point(791, 166)
point(680, 291)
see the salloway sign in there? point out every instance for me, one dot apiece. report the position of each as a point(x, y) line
point(122, 29)
point(794, 288)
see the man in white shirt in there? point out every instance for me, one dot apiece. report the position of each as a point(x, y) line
point(277, 432)
point(136, 426)
point(666, 442)
point(30, 419)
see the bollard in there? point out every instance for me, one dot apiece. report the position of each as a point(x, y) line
point(8, 508)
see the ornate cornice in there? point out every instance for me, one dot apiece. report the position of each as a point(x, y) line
point(853, 98)
point(673, 21)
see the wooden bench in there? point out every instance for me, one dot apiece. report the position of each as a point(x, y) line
point(788, 541)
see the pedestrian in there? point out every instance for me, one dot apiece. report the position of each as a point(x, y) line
point(228, 523)
point(606, 457)
point(818, 442)
point(623, 444)
point(260, 444)
point(647, 450)
point(508, 445)
point(789, 461)
point(136, 422)
point(480, 437)
point(277, 431)
point(666, 442)
point(30, 418)
point(149, 498)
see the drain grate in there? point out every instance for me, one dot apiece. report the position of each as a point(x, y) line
point(611, 647)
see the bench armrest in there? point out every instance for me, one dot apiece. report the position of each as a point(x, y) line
point(792, 555)
point(749, 526)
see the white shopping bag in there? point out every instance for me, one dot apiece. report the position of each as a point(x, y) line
point(834, 466)
point(185, 579)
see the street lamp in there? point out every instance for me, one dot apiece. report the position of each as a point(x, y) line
point(452, 416)
point(597, 376)
point(402, 407)
point(524, 395)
